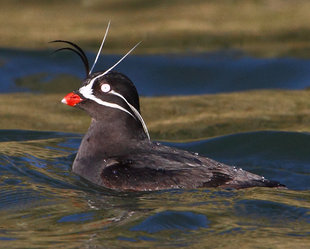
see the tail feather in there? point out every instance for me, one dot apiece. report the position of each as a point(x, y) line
point(259, 183)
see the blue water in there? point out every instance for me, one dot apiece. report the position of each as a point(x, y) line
point(156, 75)
point(43, 204)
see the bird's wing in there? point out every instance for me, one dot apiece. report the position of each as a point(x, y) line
point(154, 167)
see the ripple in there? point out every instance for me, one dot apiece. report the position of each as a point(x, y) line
point(43, 202)
point(280, 156)
point(168, 220)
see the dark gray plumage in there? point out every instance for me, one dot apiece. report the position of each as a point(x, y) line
point(116, 153)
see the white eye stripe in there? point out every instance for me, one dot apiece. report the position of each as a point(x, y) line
point(108, 104)
point(105, 88)
point(137, 114)
point(87, 92)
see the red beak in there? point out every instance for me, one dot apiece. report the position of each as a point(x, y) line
point(71, 99)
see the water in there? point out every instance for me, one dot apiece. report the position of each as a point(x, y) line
point(155, 75)
point(44, 205)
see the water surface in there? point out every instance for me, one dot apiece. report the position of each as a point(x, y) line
point(155, 75)
point(43, 204)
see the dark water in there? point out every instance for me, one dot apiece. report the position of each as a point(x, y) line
point(44, 205)
point(155, 75)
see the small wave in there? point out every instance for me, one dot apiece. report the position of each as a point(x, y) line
point(39, 195)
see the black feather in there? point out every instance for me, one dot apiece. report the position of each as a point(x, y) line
point(78, 51)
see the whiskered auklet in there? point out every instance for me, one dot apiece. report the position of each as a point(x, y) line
point(117, 153)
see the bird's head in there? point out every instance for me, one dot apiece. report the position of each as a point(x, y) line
point(107, 95)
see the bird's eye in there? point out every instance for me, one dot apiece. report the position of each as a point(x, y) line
point(105, 88)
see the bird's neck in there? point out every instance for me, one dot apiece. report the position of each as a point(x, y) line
point(107, 139)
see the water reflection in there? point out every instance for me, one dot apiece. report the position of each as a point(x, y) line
point(42, 203)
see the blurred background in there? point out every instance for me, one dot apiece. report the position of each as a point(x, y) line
point(228, 79)
point(259, 27)
point(189, 48)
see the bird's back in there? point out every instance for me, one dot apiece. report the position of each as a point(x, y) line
point(152, 166)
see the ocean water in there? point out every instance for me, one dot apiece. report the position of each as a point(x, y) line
point(44, 205)
point(157, 75)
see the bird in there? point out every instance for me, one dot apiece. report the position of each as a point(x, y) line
point(117, 153)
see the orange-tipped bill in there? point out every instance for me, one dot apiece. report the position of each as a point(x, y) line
point(71, 99)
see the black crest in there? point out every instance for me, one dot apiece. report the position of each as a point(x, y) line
point(76, 49)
